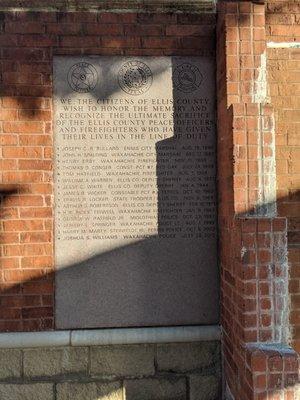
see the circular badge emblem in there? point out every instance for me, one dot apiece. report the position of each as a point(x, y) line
point(187, 78)
point(82, 77)
point(135, 77)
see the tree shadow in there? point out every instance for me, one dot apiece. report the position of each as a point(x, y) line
point(167, 279)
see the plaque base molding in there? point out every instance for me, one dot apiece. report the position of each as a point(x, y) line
point(98, 337)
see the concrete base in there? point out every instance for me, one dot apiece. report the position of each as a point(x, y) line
point(177, 371)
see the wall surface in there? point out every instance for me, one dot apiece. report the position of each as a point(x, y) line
point(29, 40)
point(189, 371)
point(284, 92)
point(256, 248)
point(258, 115)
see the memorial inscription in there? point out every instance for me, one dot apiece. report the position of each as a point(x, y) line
point(135, 197)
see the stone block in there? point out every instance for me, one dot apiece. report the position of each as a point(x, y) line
point(182, 357)
point(89, 391)
point(155, 389)
point(35, 391)
point(55, 361)
point(123, 360)
point(205, 387)
point(10, 363)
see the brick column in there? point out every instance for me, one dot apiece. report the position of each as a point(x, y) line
point(258, 364)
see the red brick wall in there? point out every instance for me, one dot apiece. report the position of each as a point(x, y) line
point(258, 364)
point(252, 248)
point(28, 42)
point(282, 20)
point(284, 82)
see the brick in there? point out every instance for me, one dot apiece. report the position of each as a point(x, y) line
point(122, 360)
point(10, 313)
point(143, 30)
point(41, 324)
point(36, 262)
point(9, 238)
point(156, 389)
point(9, 263)
point(35, 237)
point(35, 165)
point(105, 29)
point(55, 361)
point(36, 212)
point(160, 43)
point(157, 18)
point(120, 42)
point(10, 326)
point(27, 54)
point(24, 200)
point(108, 18)
point(36, 391)
point(190, 30)
point(8, 165)
point(23, 102)
point(22, 177)
point(258, 362)
point(65, 28)
point(23, 225)
point(34, 115)
point(80, 41)
point(40, 40)
point(8, 114)
point(35, 140)
point(197, 19)
point(197, 43)
point(186, 357)
point(37, 312)
point(22, 152)
point(24, 27)
point(23, 127)
point(10, 363)
point(79, 16)
point(8, 140)
point(44, 287)
point(205, 387)
point(89, 391)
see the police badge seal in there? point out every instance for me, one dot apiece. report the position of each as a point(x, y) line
point(82, 77)
point(135, 77)
point(187, 78)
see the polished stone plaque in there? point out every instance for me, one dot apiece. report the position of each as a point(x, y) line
point(135, 191)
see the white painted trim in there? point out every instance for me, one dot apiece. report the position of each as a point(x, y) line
point(34, 339)
point(100, 337)
point(144, 335)
point(283, 45)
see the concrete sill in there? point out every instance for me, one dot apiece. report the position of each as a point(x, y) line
point(98, 337)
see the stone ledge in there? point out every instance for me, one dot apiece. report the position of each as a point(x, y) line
point(98, 337)
point(113, 5)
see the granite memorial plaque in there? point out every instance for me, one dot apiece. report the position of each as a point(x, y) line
point(135, 191)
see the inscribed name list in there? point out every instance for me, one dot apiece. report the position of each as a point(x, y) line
point(134, 159)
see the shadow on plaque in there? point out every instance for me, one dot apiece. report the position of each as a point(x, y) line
point(165, 280)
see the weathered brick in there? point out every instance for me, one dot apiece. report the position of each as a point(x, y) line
point(205, 387)
point(36, 391)
point(155, 389)
point(104, 29)
point(187, 356)
point(122, 360)
point(55, 361)
point(10, 362)
point(89, 391)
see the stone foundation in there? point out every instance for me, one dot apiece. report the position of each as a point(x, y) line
point(185, 371)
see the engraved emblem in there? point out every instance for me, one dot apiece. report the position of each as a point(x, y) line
point(82, 77)
point(187, 78)
point(135, 77)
